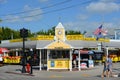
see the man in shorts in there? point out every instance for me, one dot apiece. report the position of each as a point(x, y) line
point(105, 69)
point(110, 64)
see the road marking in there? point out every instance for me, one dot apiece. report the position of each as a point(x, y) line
point(85, 75)
point(55, 76)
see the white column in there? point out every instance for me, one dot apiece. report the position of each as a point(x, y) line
point(40, 61)
point(115, 35)
point(48, 52)
point(79, 61)
point(107, 51)
point(4, 54)
point(70, 62)
point(16, 52)
point(99, 46)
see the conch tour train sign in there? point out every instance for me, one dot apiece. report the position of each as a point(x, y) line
point(68, 37)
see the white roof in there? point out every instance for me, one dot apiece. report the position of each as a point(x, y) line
point(40, 44)
point(59, 25)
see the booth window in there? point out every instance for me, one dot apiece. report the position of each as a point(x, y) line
point(56, 54)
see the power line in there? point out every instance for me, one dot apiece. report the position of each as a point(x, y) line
point(56, 4)
point(56, 10)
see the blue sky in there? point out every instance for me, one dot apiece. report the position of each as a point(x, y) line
point(74, 14)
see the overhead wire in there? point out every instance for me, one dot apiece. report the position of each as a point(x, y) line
point(53, 5)
point(56, 10)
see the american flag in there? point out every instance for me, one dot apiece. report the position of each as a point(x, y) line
point(98, 30)
point(104, 32)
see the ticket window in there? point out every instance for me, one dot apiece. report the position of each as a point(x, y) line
point(56, 54)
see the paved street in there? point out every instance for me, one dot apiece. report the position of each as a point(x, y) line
point(12, 72)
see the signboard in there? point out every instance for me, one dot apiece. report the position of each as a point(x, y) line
point(74, 37)
point(68, 37)
point(16, 40)
point(83, 65)
point(58, 64)
point(98, 56)
point(52, 64)
point(1, 59)
point(81, 37)
point(45, 37)
point(90, 63)
point(8, 59)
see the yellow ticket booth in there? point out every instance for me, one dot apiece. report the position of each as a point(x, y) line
point(59, 56)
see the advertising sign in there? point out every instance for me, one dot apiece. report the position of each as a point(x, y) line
point(90, 63)
point(52, 64)
point(58, 64)
point(83, 65)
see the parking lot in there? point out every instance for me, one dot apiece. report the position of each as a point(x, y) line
point(13, 72)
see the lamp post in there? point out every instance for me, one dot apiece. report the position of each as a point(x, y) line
point(23, 34)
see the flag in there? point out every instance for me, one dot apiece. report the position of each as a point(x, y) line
point(104, 32)
point(99, 36)
point(98, 30)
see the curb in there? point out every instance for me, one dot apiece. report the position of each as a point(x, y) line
point(116, 75)
point(26, 74)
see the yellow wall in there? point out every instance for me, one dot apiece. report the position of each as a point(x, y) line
point(59, 45)
point(58, 64)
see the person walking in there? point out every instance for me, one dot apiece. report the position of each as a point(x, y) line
point(105, 68)
point(110, 65)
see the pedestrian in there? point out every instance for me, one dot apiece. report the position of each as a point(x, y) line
point(105, 69)
point(77, 59)
point(110, 65)
point(1, 60)
point(74, 62)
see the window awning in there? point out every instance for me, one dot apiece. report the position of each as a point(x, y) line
point(3, 50)
point(83, 52)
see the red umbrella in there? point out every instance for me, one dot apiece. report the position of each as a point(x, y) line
point(2, 50)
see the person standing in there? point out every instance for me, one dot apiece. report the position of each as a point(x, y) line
point(74, 62)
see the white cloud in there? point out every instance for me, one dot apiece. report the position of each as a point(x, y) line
point(90, 27)
point(30, 14)
point(82, 17)
point(3, 1)
point(107, 0)
point(43, 0)
point(26, 8)
point(102, 7)
point(79, 26)
point(35, 13)
point(11, 18)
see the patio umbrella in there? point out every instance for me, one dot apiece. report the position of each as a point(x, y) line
point(3, 50)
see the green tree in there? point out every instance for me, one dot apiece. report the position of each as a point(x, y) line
point(72, 32)
point(0, 20)
point(7, 33)
point(51, 31)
